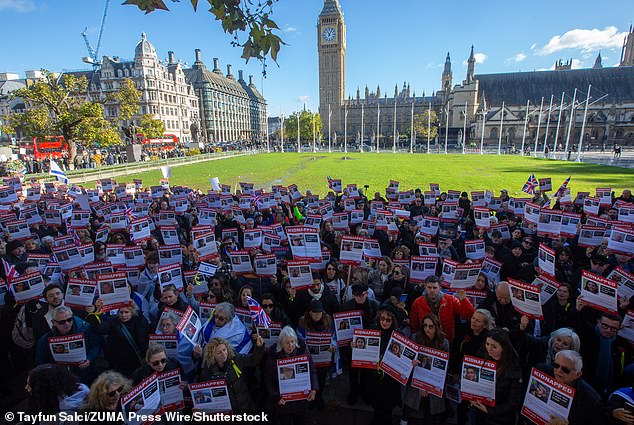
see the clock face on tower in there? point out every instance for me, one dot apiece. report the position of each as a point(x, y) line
point(329, 34)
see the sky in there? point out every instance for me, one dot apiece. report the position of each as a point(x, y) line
point(388, 43)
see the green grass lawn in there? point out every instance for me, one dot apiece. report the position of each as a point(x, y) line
point(458, 172)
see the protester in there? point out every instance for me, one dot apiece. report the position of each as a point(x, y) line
point(53, 389)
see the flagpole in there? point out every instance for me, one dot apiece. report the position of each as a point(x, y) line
point(464, 127)
point(299, 147)
point(361, 145)
point(484, 120)
point(583, 123)
point(446, 127)
point(525, 123)
point(501, 126)
point(282, 133)
point(345, 130)
point(550, 110)
point(428, 125)
point(329, 115)
point(539, 123)
point(394, 129)
point(571, 119)
point(314, 135)
point(411, 135)
point(378, 123)
point(561, 107)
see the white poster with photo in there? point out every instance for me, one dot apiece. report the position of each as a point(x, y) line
point(18, 229)
point(304, 242)
point(351, 250)
point(591, 206)
point(357, 216)
point(545, 185)
point(270, 241)
point(422, 267)
point(211, 396)
point(313, 221)
point(621, 240)
point(625, 282)
point(429, 225)
point(503, 229)
point(427, 250)
point(478, 380)
point(294, 378)
point(482, 217)
point(431, 372)
point(345, 324)
point(570, 223)
point(591, 236)
point(340, 221)
point(626, 213)
point(546, 259)
point(547, 287)
point(549, 224)
point(252, 239)
point(265, 265)
point(604, 195)
point(270, 335)
point(80, 293)
point(465, 275)
point(68, 349)
point(27, 287)
point(169, 235)
point(318, 345)
point(169, 343)
point(206, 246)
point(171, 393)
point(170, 254)
point(477, 198)
point(299, 273)
point(531, 212)
point(114, 253)
point(68, 257)
point(599, 292)
point(627, 327)
point(170, 275)
point(113, 290)
point(366, 348)
point(475, 249)
point(546, 398)
point(371, 249)
point(525, 299)
point(133, 256)
point(142, 401)
point(397, 359)
point(240, 262)
point(189, 326)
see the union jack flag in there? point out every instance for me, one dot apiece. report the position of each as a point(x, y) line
point(258, 314)
point(330, 182)
point(530, 185)
point(128, 213)
point(9, 271)
point(562, 188)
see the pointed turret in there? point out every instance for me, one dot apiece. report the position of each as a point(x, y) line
point(447, 76)
point(471, 66)
point(367, 92)
point(598, 64)
point(378, 90)
point(395, 91)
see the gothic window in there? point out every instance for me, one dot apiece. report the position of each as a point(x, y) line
point(494, 133)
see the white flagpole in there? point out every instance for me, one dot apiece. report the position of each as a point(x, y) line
point(329, 132)
point(314, 135)
point(539, 123)
point(282, 133)
point(583, 124)
point(501, 126)
point(411, 135)
point(394, 130)
point(299, 146)
point(571, 120)
point(484, 120)
point(345, 130)
point(525, 123)
point(464, 127)
point(446, 128)
point(550, 110)
point(361, 145)
point(428, 125)
point(378, 124)
point(561, 107)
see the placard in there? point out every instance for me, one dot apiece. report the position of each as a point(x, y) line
point(189, 326)
point(80, 293)
point(397, 358)
point(294, 378)
point(345, 324)
point(590, 236)
point(422, 267)
point(270, 335)
point(68, 257)
point(169, 343)
point(304, 242)
point(621, 240)
point(240, 262)
point(546, 398)
point(478, 380)
point(265, 265)
point(431, 372)
point(474, 249)
point(627, 327)
point(318, 345)
point(351, 252)
point(170, 275)
point(299, 274)
point(68, 349)
point(546, 259)
point(599, 292)
point(371, 249)
point(525, 299)
point(113, 290)
point(170, 255)
point(625, 282)
point(170, 391)
point(114, 253)
point(366, 348)
point(143, 400)
point(547, 287)
point(27, 287)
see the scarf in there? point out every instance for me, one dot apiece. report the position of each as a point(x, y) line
point(434, 306)
point(317, 295)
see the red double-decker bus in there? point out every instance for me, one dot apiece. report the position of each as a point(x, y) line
point(44, 147)
point(166, 143)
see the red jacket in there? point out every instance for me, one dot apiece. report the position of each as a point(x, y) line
point(450, 306)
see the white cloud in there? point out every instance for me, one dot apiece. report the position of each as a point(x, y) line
point(21, 6)
point(303, 99)
point(434, 65)
point(576, 64)
point(533, 46)
point(479, 57)
point(520, 57)
point(584, 40)
point(289, 28)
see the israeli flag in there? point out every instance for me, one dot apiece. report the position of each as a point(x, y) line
point(57, 172)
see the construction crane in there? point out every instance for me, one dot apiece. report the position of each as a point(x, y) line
point(93, 54)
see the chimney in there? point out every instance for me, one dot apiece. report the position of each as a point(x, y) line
point(250, 80)
point(170, 56)
point(198, 59)
point(216, 69)
point(240, 75)
point(229, 74)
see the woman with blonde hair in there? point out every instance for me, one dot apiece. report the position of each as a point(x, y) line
point(106, 391)
point(220, 360)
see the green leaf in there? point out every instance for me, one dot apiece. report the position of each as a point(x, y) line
point(147, 5)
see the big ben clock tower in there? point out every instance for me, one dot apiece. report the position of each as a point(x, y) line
point(331, 45)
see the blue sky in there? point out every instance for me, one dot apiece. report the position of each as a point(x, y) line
point(387, 42)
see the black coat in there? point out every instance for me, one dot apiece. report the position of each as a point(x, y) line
point(119, 353)
point(508, 397)
point(145, 371)
point(504, 314)
point(328, 300)
point(369, 310)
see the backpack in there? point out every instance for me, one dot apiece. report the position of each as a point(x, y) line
point(22, 333)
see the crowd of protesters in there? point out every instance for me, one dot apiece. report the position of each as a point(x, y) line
point(575, 344)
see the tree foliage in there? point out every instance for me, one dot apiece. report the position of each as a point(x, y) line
point(305, 125)
point(150, 127)
point(421, 125)
point(127, 97)
point(237, 16)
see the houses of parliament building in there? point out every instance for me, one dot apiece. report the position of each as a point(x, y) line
point(530, 107)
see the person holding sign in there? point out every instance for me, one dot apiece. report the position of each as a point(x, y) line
point(53, 388)
point(287, 348)
point(156, 361)
point(64, 323)
point(225, 324)
point(508, 382)
point(221, 360)
point(105, 393)
point(432, 336)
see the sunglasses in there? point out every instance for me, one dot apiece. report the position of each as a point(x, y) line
point(563, 368)
point(117, 391)
point(159, 362)
point(65, 321)
point(267, 305)
point(396, 272)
